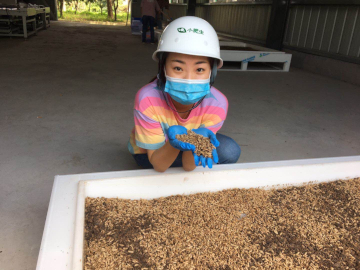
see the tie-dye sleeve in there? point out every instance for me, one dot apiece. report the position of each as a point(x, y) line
point(148, 132)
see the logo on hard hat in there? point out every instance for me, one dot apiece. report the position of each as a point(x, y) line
point(181, 30)
point(194, 30)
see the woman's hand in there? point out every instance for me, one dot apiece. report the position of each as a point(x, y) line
point(207, 133)
point(182, 146)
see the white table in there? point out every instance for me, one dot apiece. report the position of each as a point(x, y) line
point(60, 244)
point(27, 15)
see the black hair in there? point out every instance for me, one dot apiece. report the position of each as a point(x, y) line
point(161, 74)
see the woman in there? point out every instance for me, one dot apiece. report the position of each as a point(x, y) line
point(182, 98)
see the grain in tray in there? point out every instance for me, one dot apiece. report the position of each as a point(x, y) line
point(314, 226)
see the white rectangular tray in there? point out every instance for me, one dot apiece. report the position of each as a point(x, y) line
point(62, 244)
point(256, 54)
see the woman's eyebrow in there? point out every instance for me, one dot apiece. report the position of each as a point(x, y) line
point(179, 61)
point(182, 62)
point(201, 62)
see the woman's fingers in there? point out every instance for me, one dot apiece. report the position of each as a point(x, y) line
point(176, 130)
point(203, 161)
point(187, 146)
point(196, 159)
point(171, 135)
point(215, 156)
point(213, 140)
point(209, 162)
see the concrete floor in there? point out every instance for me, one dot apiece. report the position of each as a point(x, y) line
point(66, 99)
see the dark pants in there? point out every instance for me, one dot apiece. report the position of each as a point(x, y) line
point(148, 21)
point(228, 151)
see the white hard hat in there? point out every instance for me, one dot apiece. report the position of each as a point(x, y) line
point(190, 35)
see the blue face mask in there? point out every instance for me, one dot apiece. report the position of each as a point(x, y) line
point(187, 91)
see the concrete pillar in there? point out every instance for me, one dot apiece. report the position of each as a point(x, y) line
point(277, 24)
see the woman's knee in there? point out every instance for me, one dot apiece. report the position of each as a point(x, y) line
point(234, 152)
point(228, 151)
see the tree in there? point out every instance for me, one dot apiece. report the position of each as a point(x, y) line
point(101, 4)
point(89, 3)
point(109, 9)
point(61, 7)
point(73, 3)
point(115, 5)
point(76, 4)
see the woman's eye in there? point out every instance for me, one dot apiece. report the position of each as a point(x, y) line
point(200, 70)
point(177, 69)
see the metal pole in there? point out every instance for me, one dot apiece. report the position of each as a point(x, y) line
point(43, 17)
point(24, 26)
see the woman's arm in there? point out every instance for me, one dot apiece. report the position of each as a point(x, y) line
point(162, 158)
point(188, 161)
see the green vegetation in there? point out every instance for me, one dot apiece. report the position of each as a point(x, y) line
point(92, 10)
point(91, 16)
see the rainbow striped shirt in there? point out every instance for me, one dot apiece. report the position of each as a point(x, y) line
point(153, 117)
